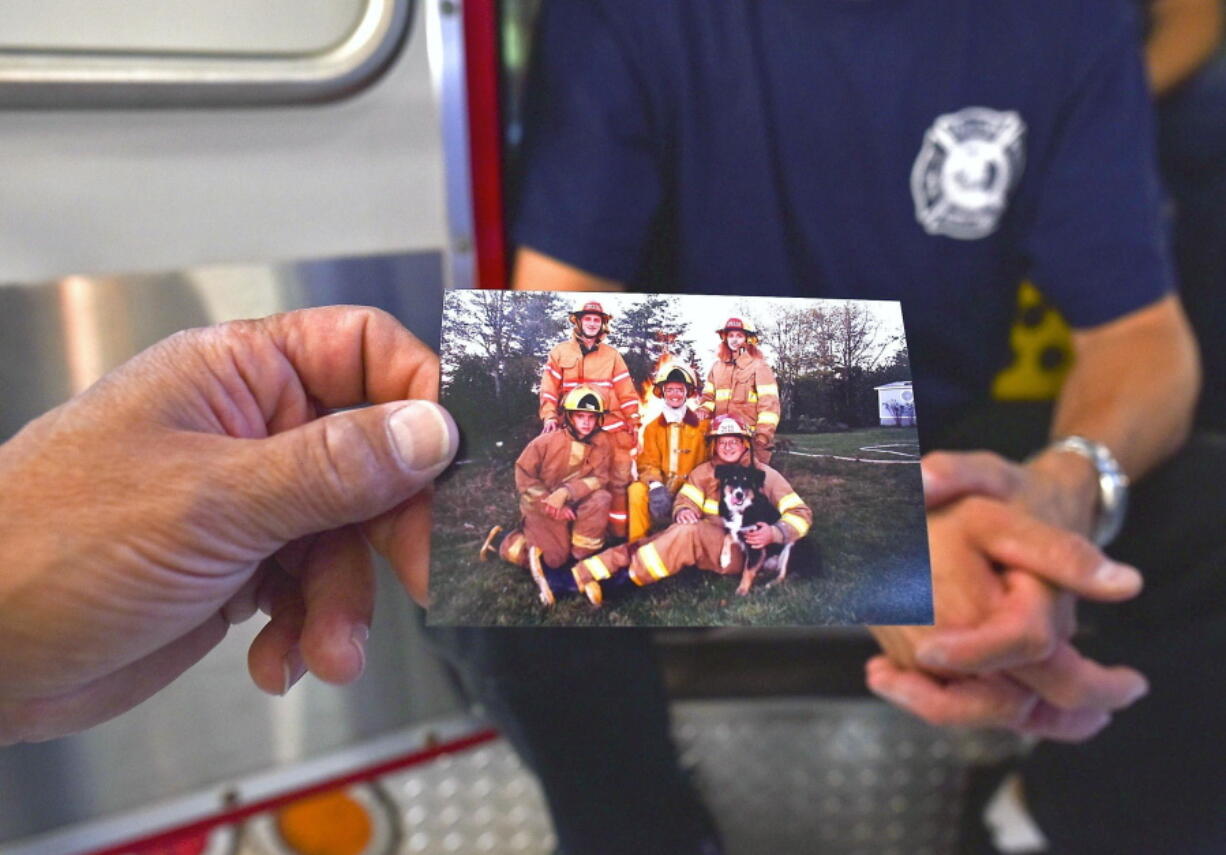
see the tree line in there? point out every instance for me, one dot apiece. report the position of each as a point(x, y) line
point(827, 358)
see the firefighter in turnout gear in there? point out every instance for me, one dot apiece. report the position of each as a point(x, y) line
point(741, 383)
point(696, 537)
point(586, 360)
point(562, 478)
point(673, 444)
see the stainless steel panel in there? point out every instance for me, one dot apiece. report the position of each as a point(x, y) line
point(110, 75)
point(179, 26)
point(448, 74)
point(87, 191)
point(212, 725)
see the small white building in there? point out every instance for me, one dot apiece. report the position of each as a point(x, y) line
point(896, 404)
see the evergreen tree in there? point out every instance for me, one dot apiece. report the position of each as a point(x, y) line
point(646, 329)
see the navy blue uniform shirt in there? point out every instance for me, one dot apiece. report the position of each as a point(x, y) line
point(929, 151)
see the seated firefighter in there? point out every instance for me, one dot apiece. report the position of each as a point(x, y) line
point(673, 444)
point(562, 478)
point(696, 537)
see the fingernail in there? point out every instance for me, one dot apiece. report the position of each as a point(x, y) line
point(1139, 692)
point(293, 668)
point(1121, 577)
point(893, 694)
point(423, 434)
point(934, 654)
point(358, 638)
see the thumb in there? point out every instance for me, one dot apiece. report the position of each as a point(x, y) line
point(345, 468)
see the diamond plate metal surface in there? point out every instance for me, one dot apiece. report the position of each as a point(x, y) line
point(481, 801)
point(780, 776)
point(833, 776)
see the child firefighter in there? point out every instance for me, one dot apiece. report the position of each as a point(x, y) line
point(562, 478)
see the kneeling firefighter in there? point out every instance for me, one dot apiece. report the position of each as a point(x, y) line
point(562, 478)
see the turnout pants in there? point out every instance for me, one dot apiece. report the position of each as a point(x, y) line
point(619, 480)
point(640, 512)
point(663, 555)
point(763, 448)
point(640, 515)
point(559, 540)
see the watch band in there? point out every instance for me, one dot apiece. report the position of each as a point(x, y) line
point(1112, 485)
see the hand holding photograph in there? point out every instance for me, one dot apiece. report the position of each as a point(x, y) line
point(678, 460)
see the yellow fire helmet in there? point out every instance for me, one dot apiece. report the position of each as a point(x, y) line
point(674, 372)
point(583, 399)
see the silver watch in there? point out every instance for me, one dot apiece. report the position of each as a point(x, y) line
point(1112, 485)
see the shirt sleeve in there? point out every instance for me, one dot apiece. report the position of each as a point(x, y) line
point(528, 482)
point(1096, 243)
point(707, 400)
point(650, 462)
point(551, 389)
point(624, 392)
point(767, 390)
point(796, 516)
point(589, 168)
point(692, 497)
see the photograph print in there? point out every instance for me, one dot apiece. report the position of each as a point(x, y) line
point(678, 460)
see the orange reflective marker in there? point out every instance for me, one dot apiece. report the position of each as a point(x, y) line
point(332, 823)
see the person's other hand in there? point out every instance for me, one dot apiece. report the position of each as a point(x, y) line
point(659, 502)
point(997, 616)
point(201, 479)
point(761, 535)
point(687, 516)
point(555, 502)
point(549, 426)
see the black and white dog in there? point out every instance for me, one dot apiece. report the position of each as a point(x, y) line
point(742, 506)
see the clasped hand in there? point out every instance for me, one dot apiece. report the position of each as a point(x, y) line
point(1004, 580)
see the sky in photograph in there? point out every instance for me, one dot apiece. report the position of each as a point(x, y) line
point(705, 314)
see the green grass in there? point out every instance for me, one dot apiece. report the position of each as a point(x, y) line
point(865, 559)
point(850, 443)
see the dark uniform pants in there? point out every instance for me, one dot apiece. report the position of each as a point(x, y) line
point(586, 709)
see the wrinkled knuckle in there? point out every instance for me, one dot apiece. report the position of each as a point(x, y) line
point(230, 333)
point(373, 314)
point(341, 463)
point(1037, 644)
